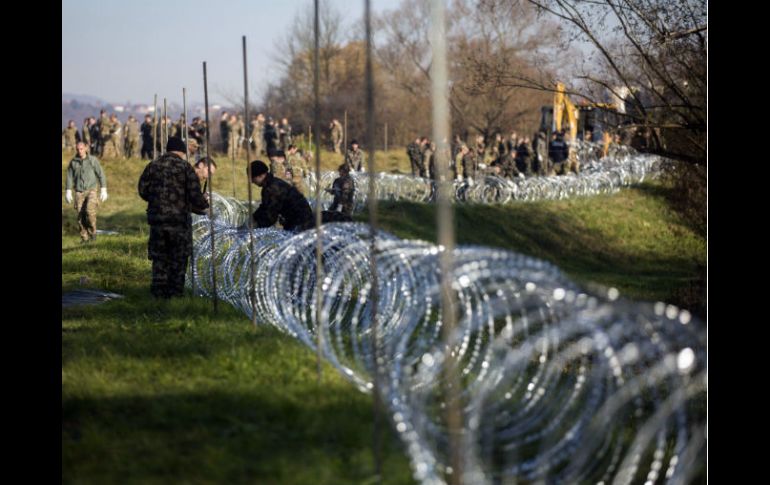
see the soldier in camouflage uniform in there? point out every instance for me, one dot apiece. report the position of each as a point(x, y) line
point(278, 165)
point(470, 163)
point(172, 190)
point(336, 135)
point(280, 201)
point(104, 131)
point(297, 166)
point(85, 133)
point(83, 174)
point(236, 133)
point(132, 137)
point(354, 158)
point(343, 190)
point(415, 152)
point(256, 137)
point(113, 145)
point(69, 137)
point(540, 149)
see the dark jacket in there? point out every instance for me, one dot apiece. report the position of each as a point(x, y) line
point(281, 199)
point(172, 190)
point(343, 189)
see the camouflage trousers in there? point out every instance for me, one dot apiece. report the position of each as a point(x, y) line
point(112, 149)
point(337, 142)
point(169, 249)
point(278, 169)
point(132, 147)
point(234, 148)
point(86, 204)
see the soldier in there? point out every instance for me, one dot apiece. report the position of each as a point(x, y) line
point(505, 166)
point(85, 132)
point(172, 190)
point(93, 131)
point(223, 127)
point(83, 174)
point(512, 142)
point(278, 165)
point(336, 135)
point(297, 166)
point(280, 201)
point(146, 130)
point(343, 190)
point(237, 131)
point(256, 137)
point(354, 158)
point(558, 153)
point(497, 148)
point(480, 149)
point(470, 164)
point(132, 137)
point(428, 157)
point(414, 152)
point(524, 157)
point(284, 134)
point(70, 137)
point(113, 143)
point(201, 168)
point(104, 131)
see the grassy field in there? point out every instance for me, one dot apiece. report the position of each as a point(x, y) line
point(158, 392)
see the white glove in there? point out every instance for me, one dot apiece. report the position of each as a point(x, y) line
point(68, 196)
point(103, 194)
point(482, 166)
point(460, 177)
point(470, 182)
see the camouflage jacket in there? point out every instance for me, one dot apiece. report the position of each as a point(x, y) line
point(296, 164)
point(132, 129)
point(70, 136)
point(470, 165)
point(343, 189)
point(104, 126)
point(282, 200)
point(336, 130)
point(172, 190)
point(86, 136)
point(354, 159)
point(84, 173)
point(414, 152)
point(115, 129)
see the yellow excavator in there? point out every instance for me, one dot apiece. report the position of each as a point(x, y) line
point(577, 120)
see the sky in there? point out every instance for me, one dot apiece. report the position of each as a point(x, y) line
point(128, 50)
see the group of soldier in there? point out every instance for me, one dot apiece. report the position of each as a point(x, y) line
point(509, 157)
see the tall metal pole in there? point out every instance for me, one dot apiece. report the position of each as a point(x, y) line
point(155, 127)
point(386, 137)
point(345, 137)
point(373, 226)
point(252, 280)
point(187, 158)
point(446, 238)
point(318, 230)
point(164, 128)
point(211, 188)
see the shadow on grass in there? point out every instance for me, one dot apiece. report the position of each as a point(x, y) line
point(224, 437)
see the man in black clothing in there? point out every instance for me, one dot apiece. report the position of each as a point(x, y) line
point(281, 201)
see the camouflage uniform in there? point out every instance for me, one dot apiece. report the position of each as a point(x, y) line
point(343, 189)
point(336, 136)
point(507, 164)
point(113, 148)
point(278, 168)
point(297, 165)
point(132, 138)
point(540, 148)
point(69, 137)
point(257, 140)
point(172, 190)
point(83, 174)
point(416, 159)
point(236, 131)
point(470, 165)
point(282, 202)
point(354, 159)
point(104, 132)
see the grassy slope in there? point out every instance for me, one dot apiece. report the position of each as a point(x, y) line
point(156, 392)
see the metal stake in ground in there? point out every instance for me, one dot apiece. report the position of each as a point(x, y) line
point(187, 158)
point(210, 184)
point(252, 281)
point(318, 231)
point(155, 127)
point(164, 128)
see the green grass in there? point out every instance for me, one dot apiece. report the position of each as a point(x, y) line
point(157, 392)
